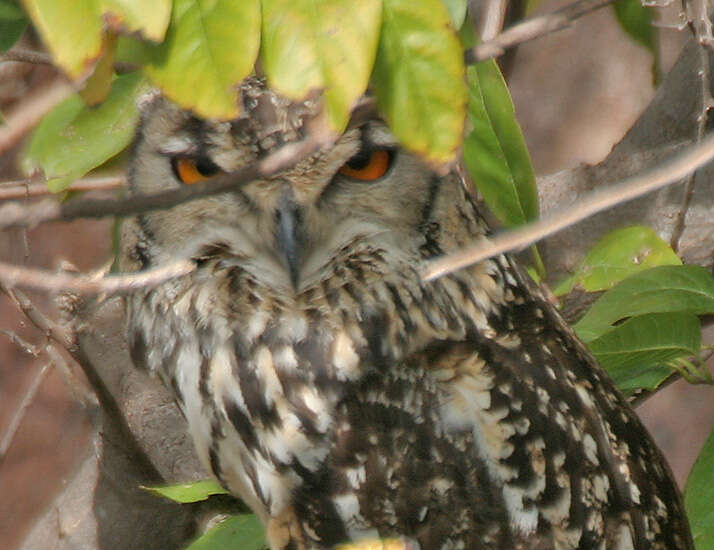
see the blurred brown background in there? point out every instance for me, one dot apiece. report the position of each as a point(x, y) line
point(576, 93)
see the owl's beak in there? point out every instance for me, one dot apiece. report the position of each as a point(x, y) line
point(288, 234)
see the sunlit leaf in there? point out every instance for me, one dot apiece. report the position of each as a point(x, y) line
point(699, 497)
point(150, 19)
point(210, 47)
point(189, 492)
point(71, 29)
point(457, 11)
point(637, 352)
point(419, 78)
point(329, 45)
point(683, 289)
point(243, 532)
point(618, 255)
point(495, 152)
point(74, 139)
point(12, 24)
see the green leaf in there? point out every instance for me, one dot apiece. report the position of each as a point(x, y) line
point(699, 497)
point(210, 47)
point(149, 19)
point(419, 78)
point(242, 532)
point(683, 289)
point(636, 353)
point(495, 152)
point(636, 21)
point(457, 12)
point(74, 139)
point(12, 24)
point(189, 492)
point(328, 45)
point(618, 255)
point(71, 29)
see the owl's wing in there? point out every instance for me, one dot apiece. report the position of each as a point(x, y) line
point(571, 458)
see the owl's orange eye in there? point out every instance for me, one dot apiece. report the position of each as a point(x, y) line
point(192, 170)
point(368, 165)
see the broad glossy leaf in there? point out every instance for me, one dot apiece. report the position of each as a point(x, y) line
point(189, 492)
point(72, 30)
point(74, 139)
point(618, 255)
point(12, 24)
point(699, 497)
point(150, 19)
point(636, 353)
point(683, 289)
point(328, 45)
point(210, 47)
point(243, 532)
point(419, 78)
point(495, 152)
point(636, 21)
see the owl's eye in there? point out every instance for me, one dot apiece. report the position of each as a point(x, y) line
point(368, 164)
point(192, 170)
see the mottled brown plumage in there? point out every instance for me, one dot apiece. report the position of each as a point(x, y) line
point(342, 398)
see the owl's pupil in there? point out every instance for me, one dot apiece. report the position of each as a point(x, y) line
point(360, 160)
point(206, 167)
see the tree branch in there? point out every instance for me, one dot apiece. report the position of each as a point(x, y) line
point(21, 189)
point(14, 276)
point(532, 28)
point(596, 201)
point(15, 214)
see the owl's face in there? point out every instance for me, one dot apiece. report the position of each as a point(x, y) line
point(284, 229)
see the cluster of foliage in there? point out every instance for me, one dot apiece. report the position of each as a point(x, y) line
point(643, 328)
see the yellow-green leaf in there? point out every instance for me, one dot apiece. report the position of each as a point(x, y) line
point(419, 78)
point(324, 45)
point(189, 492)
point(150, 19)
point(96, 88)
point(210, 47)
point(243, 532)
point(699, 497)
point(74, 139)
point(72, 30)
point(619, 254)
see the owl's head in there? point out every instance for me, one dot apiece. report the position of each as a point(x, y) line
point(363, 191)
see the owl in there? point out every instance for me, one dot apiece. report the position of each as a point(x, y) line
point(342, 398)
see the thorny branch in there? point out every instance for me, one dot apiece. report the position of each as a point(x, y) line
point(532, 28)
point(596, 201)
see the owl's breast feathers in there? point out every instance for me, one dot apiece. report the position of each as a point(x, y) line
point(460, 413)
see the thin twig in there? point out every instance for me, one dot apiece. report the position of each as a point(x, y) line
point(14, 276)
point(24, 345)
point(20, 55)
point(49, 328)
point(14, 214)
point(702, 119)
point(27, 56)
point(30, 188)
point(22, 408)
point(670, 171)
point(30, 112)
point(529, 29)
